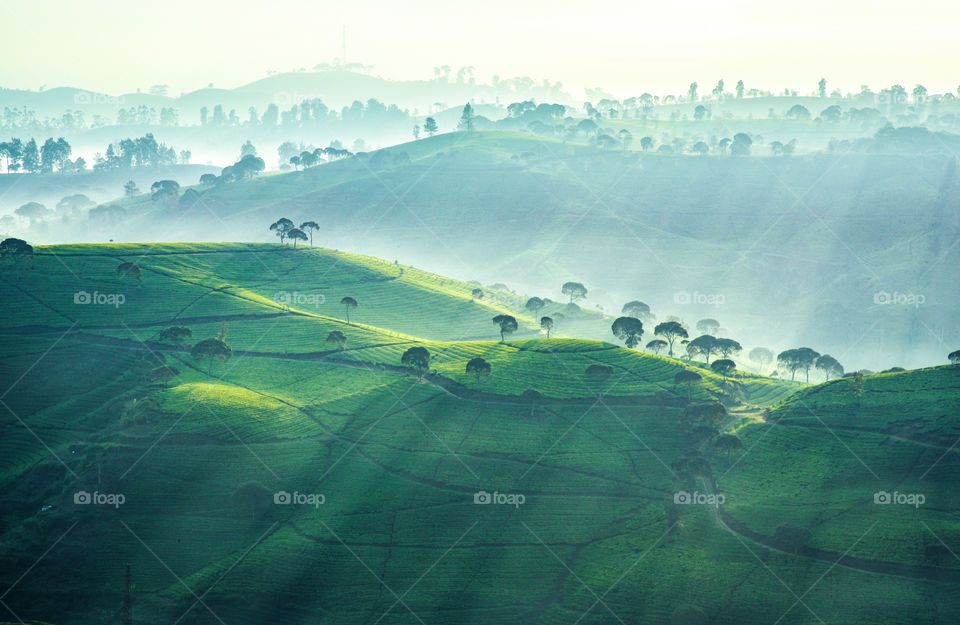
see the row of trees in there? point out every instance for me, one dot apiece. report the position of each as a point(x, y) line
point(285, 229)
point(53, 155)
point(143, 151)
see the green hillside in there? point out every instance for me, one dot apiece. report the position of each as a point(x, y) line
point(398, 538)
point(822, 236)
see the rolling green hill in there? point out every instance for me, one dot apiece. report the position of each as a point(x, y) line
point(398, 538)
point(822, 236)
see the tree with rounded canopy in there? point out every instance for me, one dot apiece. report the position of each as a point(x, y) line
point(211, 349)
point(33, 211)
point(430, 126)
point(637, 309)
point(688, 377)
point(164, 189)
point(574, 290)
point(656, 345)
point(129, 270)
point(708, 326)
point(761, 355)
point(723, 367)
point(208, 180)
point(671, 331)
point(628, 329)
point(507, 325)
point(546, 323)
point(296, 234)
point(478, 367)
point(728, 444)
point(348, 303)
point(705, 345)
point(338, 338)
point(954, 357)
point(801, 358)
point(476, 293)
point(798, 111)
point(73, 204)
point(16, 250)
point(727, 347)
point(175, 334)
point(535, 305)
point(418, 359)
point(646, 143)
point(281, 227)
point(829, 365)
point(310, 227)
point(601, 373)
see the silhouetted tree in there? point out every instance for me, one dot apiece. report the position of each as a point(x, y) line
point(546, 323)
point(175, 334)
point(296, 234)
point(629, 330)
point(705, 345)
point(478, 367)
point(338, 338)
point(708, 326)
point(534, 305)
point(507, 325)
point(600, 373)
point(723, 367)
point(656, 345)
point(638, 310)
point(310, 227)
point(954, 357)
point(829, 365)
point(688, 377)
point(430, 126)
point(761, 356)
point(671, 331)
point(348, 303)
point(281, 227)
point(574, 290)
point(728, 444)
point(211, 349)
point(417, 358)
point(727, 347)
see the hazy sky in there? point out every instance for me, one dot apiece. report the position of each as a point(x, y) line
point(626, 47)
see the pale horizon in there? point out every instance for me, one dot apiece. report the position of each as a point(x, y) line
point(770, 46)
